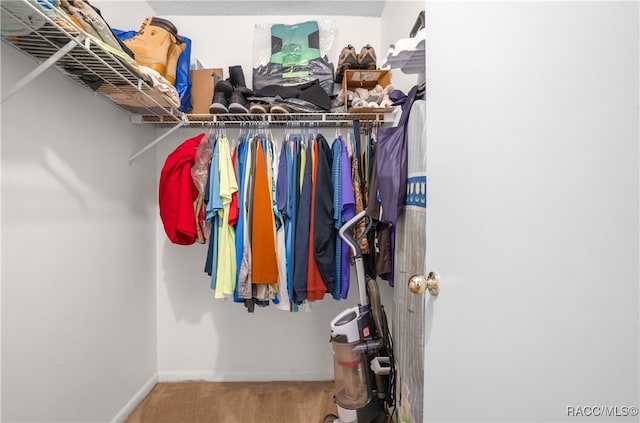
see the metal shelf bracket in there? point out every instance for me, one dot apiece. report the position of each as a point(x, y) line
point(182, 123)
point(43, 66)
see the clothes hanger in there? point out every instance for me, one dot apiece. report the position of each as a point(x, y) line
point(212, 134)
point(349, 143)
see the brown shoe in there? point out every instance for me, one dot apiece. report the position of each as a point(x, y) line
point(151, 45)
point(259, 108)
point(280, 109)
point(367, 58)
point(347, 60)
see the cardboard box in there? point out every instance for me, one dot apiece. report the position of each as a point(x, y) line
point(359, 78)
point(203, 82)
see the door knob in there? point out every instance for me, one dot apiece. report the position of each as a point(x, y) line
point(420, 283)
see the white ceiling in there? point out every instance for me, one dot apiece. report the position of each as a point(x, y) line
point(370, 8)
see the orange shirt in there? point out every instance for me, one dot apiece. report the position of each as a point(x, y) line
point(263, 238)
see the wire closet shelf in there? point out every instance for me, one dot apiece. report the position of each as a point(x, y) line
point(53, 40)
point(269, 120)
point(49, 37)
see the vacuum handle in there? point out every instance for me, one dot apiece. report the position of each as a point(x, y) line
point(345, 233)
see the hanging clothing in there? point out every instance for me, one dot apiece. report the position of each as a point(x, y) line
point(281, 233)
point(177, 193)
point(316, 287)
point(301, 248)
point(245, 277)
point(263, 240)
point(343, 210)
point(381, 262)
point(226, 263)
point(233, 207)
point(281, 251)
point(291, 209)
point(283, 174)
point(213, 204)
point(273, 178)
point(267, 292)
point(240, 166)
point(348, 211)
point(336, 178)
point(274, 212)
point(200, 175)
point(359, 229)
point(324, 237)
point(392, 171)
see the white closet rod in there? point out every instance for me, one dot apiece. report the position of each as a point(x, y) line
point(264, 121)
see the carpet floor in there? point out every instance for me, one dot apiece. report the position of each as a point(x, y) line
point(236, 402)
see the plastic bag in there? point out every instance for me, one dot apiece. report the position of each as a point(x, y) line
point(200, 174)
point(183, 77)
point(290, 55)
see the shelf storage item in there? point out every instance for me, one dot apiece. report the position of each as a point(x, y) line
point(367, 79)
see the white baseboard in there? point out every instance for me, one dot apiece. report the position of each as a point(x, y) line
point(121, 417)
point(210, 376)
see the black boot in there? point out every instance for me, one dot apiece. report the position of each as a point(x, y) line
point(236, 78)
point(221, 95)
point(238, 102)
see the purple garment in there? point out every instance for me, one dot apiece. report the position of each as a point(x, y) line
point(281, 185)
point(348, 204)
point(392, 171)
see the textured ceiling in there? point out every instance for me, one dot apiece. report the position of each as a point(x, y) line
point(371, 8)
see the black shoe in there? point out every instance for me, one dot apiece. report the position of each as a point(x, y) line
point(238, 103)
point(221, 94)
point(224, 87)
point(219, 105)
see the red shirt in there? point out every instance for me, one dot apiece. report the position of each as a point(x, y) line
point(177, 193)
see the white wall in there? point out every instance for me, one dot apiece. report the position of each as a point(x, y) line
point(532, 132)
point(78, 274)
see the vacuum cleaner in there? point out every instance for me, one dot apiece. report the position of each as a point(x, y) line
point(362, 348)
